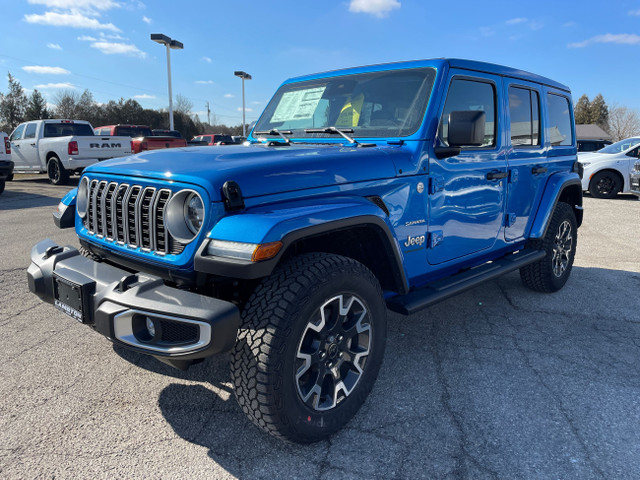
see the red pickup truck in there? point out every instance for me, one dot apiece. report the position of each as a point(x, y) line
point(142, 138)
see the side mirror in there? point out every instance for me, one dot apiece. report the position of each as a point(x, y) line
point(466, 128)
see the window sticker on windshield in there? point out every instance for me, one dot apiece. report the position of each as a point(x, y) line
point(298, 105)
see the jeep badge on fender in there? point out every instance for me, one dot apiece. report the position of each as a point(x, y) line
point(359, 190)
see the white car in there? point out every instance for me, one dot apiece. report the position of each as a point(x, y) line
point(606, 172)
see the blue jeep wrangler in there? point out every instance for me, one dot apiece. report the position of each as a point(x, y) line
point(388, 186)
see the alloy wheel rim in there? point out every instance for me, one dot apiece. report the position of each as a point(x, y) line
point(333, 352)
point(605, 185)
point(562, 245)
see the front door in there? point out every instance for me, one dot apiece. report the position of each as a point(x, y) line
point(467, 191)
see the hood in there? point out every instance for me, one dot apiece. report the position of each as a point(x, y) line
point(258, 169)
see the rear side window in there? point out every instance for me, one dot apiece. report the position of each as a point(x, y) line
point(471, 95)
point(559, 128)
point(525, 118)
point(66, 129)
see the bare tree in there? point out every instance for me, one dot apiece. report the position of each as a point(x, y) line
point(623, 122)
point(183, 105)
point(67, 104)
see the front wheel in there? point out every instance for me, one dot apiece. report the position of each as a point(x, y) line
point(605, 184)
point(2, 183)
point(551, 272)
point(57, 174)
point(310, 346)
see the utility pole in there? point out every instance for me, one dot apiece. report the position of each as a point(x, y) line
point(208, 114)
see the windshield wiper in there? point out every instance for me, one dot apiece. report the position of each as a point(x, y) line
point(334, 130)
point(275, 131)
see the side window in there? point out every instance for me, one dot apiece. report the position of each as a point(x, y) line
point(471, 95)
point(559, 128)
point(30, 131)
point(525, 118)
point(17, 133)
point(633, 153)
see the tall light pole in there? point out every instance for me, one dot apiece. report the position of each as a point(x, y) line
point(170, 44)
point(244, 76)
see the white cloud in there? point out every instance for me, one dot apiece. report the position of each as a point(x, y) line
point(73, 20)
point(77, 4)
point(144, 96)
point(515, 21)
point(87, 38)
point(207, 59)
point(256, 103)
point(246, 109)
point(54, 46)
point(205, 82)
point(620, 38)
point(55, 85)
point(229, 95)
point(146, 19)
point(46, 70)
point(379, 8)
point(115, 48)
point(635, 13)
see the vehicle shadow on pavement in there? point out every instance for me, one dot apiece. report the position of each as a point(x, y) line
point(20, 200)
point(18, 194)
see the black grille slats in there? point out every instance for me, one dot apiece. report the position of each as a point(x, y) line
point(130, 215)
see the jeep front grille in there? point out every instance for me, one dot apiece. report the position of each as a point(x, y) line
point(130, 215)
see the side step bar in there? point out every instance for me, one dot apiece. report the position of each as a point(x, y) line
point(444, 288)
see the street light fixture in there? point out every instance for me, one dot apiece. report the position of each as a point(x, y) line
point(244, 76)
point(170, 44)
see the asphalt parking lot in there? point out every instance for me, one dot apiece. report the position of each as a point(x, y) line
point(499, 382)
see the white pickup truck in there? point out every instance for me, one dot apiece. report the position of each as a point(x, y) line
point(6, 165)
point(62, 147)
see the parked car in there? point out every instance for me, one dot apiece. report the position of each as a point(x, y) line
point(62, 147)
point(217, 139)
point(6, 165)
point(634, 179)
point(142, 138)
point(606, 172)
point(394, 186)
point(590, 145)
point(166, 133)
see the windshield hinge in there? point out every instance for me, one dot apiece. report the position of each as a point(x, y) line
point(232, 196)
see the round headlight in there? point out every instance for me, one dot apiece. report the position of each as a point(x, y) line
point(194, 212)
point(82, 198)
point(184, 215)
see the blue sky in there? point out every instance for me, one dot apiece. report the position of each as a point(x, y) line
point(104, 45)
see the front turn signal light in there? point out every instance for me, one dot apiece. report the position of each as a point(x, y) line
point(266, 251)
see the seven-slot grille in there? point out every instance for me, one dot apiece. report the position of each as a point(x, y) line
point(130, 215)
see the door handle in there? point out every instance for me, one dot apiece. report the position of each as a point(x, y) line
point(496, 175)
point(538, 170)
point(15, 145)
point(32, 144)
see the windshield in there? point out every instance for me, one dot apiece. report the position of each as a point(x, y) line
point(379, 104)
point(621, 146)
point(66, 129)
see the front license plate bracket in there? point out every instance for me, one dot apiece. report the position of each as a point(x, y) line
point(73, 297)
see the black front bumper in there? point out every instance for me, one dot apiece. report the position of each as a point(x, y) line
point(118, 304)
point(6, 169)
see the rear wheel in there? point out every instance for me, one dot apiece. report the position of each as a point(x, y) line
point(2, 183)
point(56, 172)
point(605, 184)
point(552, 272)
point(310, 346)
point(9, 178)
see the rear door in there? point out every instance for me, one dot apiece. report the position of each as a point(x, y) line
point(526, 156)
point(467, 191)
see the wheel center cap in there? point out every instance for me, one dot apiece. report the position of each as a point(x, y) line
point(332, 351)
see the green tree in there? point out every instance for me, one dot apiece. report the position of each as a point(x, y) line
point(582, 111)
point(67, 104)
point(599, 112)
point(13, 104)
point(36, 107)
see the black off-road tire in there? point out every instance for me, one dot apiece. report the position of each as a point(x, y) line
point(274, 331)
point(2, 183)
point(9, 178)
point(605, 184)
point(551, 272)
point(57, 174)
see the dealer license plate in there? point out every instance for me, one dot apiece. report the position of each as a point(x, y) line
point(68, 298)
